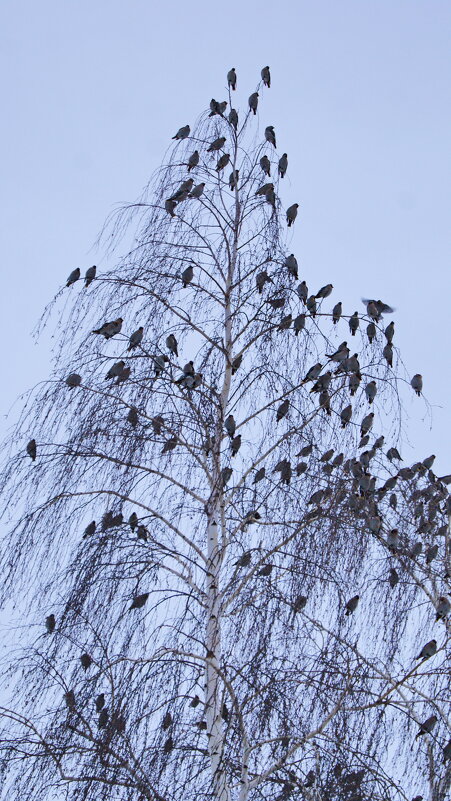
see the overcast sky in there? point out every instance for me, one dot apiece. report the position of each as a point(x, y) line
point(93, 91)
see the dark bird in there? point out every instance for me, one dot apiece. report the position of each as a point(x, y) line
point(393, 578)
point(172, 344)
point(90, 529)
point(261, 279)
point(292, 213)
point(183, 132)
point(100, 702)
point(417, 383)
point(31, 449)
point(302, 291)
point(230, 425)
point(187, 275)
point(345, 415)
point(427, 726)
point(169, 206)
point(132, 416)
point(142, 533)
point(311, 305)
point(86, 661)
point(139, 601)
point(354, 323)
point(270, 136)
point(393, 453)
point(235, 444)
point(380, 308)
point(169, 445)
point(198, 190)
point(231, 78)
point(133, 521)
point(285, 323)
point(266, 570)
point(115, 370)
point(236, 363)
point(193, 160)
point(226, 475)
point(299, 323)
point(244, 560)
point(265, 164)
point(50, 623)
point(233, 179)
point(387, 353)
point(292, 265)
point(90, 275)
point(266, 76)
point(167, 721)
point(195, 701)
point(371, 332)
point(283, 165)
point(253, 102)
point(108, 330)
point(74, 276)
point(337, 312)
point(73, 380)
point(183, 191)
point(103, 719)
point(282, 410)
point(431, 553)
point(299, 603)
point(325, 291)
point(370, 391)
point(168, 746)
point(429, 461)
point(260, 474)
point(262, 190)
point(222, 162)
point(443, 608)
point(313, 373)
point(351, 606)
point(366, 424)
point(136, 338)
point(428, 650)
point(390, 332)
point(225, 713)
point(233, 118)
point(69, 699)
point(216, 144)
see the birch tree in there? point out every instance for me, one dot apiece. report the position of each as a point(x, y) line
point(230, 585)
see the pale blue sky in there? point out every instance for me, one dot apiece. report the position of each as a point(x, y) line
point(93, 91)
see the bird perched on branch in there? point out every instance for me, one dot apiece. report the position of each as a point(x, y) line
point(115, 370)
point(266, 76)
point(417, 383)
point(50, 623)
point(337, 312)
point(270, 135)
point(282, 410)
point(90, 275)
point(231, 78)
point(376, 308)
point(253, 102)
point(193, 160)
point(187, 276)
point(292, 265)
point(197, 191)
point(428, 650)
point(222, 162)
point(233, 118)
point(354, 323)
point(171, 344)
point(427, 726)
point(325, 291)
point(265, 164)
point(292, 213)
point(182, 132)
point(31, 449)
point(139, 601)
point(443, 608)
point(230, 425)
point(217, 144)
point(283, 165)
point(351, 605)
point(169, 206)
point(74, 276)
point(110, 329)
point(136, 338)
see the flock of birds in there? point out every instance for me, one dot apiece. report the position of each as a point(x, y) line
point(187, 189)
point(341, 361)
